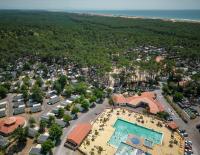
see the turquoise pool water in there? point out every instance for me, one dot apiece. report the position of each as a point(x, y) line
point(124, 128)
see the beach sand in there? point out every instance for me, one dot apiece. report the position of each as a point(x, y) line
point(139, 17)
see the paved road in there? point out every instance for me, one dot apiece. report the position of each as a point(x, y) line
point(9, 106)
point(194, 135)
point(83, 117)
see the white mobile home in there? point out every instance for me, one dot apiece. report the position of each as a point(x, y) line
point(54, 99)
point(74, 97)
point(45, 117)
point(17, 104)
point(36, 108)
point(55, 110)
point(51, 93)
point(19, 110)
point(66, 102)
point(30, 103)
point(3, 104)
point(17, 97)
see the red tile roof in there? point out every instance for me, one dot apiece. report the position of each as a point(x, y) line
point(9, 125)
point(159, 58)
point(118, 98)
point(172, 125)
point(147, 97)
point(78, 134)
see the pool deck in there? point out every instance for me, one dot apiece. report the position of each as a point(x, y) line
point(102, 131)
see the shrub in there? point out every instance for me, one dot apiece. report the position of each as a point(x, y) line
point(75, 110)
point(87, 142)
point(47, 146)
point(100, 149)
point(67, 118)
point(96, 132)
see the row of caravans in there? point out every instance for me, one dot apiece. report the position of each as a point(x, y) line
point(3, 109)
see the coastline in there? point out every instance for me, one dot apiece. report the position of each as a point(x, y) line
point(139, 17)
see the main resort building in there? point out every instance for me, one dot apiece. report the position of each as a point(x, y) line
point(146, 99)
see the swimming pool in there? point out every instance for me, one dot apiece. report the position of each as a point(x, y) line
point(125, 149)
point(124, 128)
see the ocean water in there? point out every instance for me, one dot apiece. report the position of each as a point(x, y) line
point(163, 14)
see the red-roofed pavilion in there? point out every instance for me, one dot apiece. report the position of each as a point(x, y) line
point(77, 135)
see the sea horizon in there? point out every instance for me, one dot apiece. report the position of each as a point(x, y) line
point(186, 15)
point(179, 15)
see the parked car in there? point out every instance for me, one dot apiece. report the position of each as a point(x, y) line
point(182, 130)
point(185, 134)
point(195, 111)
point(170, 119)
point(188, 151)
point(188, 142)
point(198, 126)
point(188, 147)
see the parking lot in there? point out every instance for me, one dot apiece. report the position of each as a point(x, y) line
point(83, 117)
point(190, 127)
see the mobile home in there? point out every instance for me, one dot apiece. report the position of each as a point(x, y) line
point(3, 104)
point(54, 99)
point(3, 112)
point(19, 110)
point(36, 108)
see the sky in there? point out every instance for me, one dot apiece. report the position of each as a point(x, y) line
point(100, 4)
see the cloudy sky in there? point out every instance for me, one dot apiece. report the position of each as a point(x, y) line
point(100, 4)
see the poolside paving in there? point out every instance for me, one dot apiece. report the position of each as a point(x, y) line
point(103, 130)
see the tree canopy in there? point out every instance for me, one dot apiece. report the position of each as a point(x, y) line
point(91, 41)
point(55, 132)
